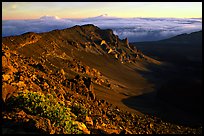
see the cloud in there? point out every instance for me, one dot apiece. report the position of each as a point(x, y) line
point(136, 29)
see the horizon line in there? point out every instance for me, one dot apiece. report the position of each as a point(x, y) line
point(104, 18)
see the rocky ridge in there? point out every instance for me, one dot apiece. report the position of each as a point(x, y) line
point(36, 77)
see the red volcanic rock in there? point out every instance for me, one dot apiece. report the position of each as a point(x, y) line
point(56, 63)
point(7, 91)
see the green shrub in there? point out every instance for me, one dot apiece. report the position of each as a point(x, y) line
point(46, 105)
point(79, 110)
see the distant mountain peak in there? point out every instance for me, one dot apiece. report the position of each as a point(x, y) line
point(48, 17)
point(104, 15)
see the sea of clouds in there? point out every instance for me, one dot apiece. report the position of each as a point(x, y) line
point(135, 29)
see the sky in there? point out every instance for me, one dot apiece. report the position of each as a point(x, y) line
point(138, 21)
point(34, 10)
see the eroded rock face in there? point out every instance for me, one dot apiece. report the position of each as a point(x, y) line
point(127, 42)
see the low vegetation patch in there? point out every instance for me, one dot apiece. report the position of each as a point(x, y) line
point(46, 105)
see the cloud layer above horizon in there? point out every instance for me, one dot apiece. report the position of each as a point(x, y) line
point(135, 29)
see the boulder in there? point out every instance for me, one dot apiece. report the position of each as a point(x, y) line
point(110, 50)
point(103, 42)
point(116, 56)
point(34, 86)
point(5, 62)
point(89, 121)
point(82, 127)
point(21, 84)
point(62, 72)
point(7, 91)
point(6, 77)
point(45, 125)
